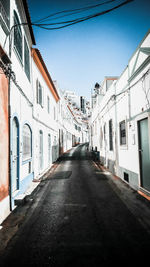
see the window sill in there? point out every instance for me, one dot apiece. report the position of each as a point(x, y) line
point(123, 147)
point(26, 161)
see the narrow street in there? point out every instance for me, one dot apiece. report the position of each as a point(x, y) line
point(78, 219)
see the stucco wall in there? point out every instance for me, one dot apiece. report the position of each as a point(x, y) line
point(4, 178)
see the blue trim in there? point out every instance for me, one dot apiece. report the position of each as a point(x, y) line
point(26, 161)
point(24, 184)
point(29, 125)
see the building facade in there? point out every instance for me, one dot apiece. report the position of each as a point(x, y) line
point(120, 121)
point(4, 136)
point(36, 126)
point(17, 41)
point(21, 100)
point(45, 116)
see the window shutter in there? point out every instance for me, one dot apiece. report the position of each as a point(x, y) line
point(42, 102)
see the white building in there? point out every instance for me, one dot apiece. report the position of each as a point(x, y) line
point(120, 122)
point(65, 124)
point(17, 40)
point(45, 116)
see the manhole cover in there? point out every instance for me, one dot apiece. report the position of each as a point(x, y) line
point(62, 175)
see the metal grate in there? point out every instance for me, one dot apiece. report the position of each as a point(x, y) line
point(126, 177)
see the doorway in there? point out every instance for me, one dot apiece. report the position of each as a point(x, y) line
point(144, 153)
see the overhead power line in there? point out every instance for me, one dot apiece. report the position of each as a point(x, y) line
point(64, 24)
point(71, 12)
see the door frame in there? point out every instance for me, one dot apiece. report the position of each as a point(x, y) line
point(12, 195)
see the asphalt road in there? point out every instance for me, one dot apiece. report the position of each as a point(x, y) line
point(77, 219)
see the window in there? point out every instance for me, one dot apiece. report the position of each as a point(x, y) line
point(101, 137)
point(105, 132)
point(27, 142)
point(48, 104)
point(26, 59)
point(49, 148)
point(110, 135)
point(122, 126)
point(39, 93)
point(95, 127)
point(40, 150)
point(5, 11)
point(54, 113)
point(17, 36)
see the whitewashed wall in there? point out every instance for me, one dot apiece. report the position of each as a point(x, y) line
point(131, 104)
point(46, 122)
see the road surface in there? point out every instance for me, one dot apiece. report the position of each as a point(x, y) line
point(77, 219)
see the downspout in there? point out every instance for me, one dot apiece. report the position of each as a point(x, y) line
point(9, 128)
point(9, 144)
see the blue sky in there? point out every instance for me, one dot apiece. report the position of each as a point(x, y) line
point(81, 55)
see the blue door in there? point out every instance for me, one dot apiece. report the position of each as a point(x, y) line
point(144, 154)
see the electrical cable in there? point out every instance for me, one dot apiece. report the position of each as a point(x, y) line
point(74, 11)
point(78, 20)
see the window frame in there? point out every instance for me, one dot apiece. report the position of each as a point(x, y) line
point(123, 133)
point(18, 37)
point(27, 70)
point(39, 94)
point(111, 135)
point(48, 104)
point(5, 14)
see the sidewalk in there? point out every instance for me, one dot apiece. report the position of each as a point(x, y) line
point(11, 224)
point(137, 203)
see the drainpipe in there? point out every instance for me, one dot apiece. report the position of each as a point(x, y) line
point(6, 66)
point(9, 128)
point(9, 143)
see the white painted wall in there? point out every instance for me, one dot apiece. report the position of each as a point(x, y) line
point(132, 103)
point(44, 121)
